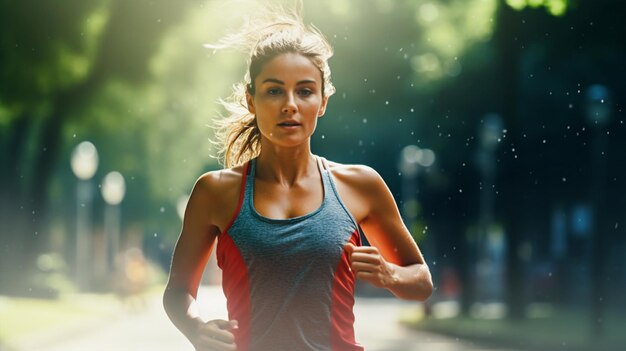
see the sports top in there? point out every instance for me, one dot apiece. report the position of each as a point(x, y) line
point(288, 281)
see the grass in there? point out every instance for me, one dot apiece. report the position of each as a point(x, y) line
point(25, 317)
point(560, 329)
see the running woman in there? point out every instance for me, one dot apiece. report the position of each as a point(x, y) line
point(286, 223)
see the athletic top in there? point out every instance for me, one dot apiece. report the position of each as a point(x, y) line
point(288, 281)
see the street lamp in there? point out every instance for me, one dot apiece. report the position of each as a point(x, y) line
point(411, 159)
point(598, 113)
point(84, 163)
point(113, 191)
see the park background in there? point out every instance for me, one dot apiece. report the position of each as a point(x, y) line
point(498, 126)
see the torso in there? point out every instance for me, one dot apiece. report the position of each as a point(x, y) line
point(278, 202)
point(286, 275)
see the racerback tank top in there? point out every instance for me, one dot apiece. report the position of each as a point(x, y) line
point(288, 281)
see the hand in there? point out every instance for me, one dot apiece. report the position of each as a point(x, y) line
point(216, 335)
point(368, 264)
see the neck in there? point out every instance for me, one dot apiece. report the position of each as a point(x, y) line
point(285, 165)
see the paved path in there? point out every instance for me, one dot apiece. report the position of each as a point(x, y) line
point(376, 328)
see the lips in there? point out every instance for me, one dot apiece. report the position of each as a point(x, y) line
point(289, 124)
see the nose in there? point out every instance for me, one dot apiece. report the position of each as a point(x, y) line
point(289, 107)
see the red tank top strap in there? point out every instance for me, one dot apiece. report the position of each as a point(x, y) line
point(242, 192)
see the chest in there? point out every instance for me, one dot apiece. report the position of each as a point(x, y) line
point(277, 201)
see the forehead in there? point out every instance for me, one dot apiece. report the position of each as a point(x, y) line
point(290, 67)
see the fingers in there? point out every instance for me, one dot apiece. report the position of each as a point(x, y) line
point(217, 335)
point(351, 248)
point(228, 325)
point(368, 264)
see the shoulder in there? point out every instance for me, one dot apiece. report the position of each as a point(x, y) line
point(216, 182)
point(215, 196)
point(361, 188)
point(219, 185)
point(355, 175)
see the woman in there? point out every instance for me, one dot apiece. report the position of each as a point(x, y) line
point(286, 222)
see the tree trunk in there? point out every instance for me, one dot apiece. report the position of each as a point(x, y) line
point(508, 46)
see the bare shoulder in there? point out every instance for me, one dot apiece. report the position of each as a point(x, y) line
point(216, 194)
point(219, 181)
point(357, 176)
point(361, 188)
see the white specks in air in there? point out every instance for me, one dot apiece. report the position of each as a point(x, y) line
point(162, 209)
point(323, 136)
point(155, 235)
point(564, 179)
point(412, 109)
point(364, 120)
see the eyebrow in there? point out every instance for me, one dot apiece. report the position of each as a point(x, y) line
point(278, 81)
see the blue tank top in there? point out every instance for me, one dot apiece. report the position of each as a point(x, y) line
point(288, 281)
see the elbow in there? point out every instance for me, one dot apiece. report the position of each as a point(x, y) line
point(425, 291)
point(424, 288)
point(420, 290)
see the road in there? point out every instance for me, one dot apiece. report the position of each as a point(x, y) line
point(376, 328)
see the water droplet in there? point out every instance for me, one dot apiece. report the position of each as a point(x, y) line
point(162, 209)
point(155, 235)
point(386, 102)
point(323, 136)
point(364, 120)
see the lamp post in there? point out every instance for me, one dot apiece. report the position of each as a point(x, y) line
point(113, 191)
point(412, 158)
point(598, 113)
point(84, 164)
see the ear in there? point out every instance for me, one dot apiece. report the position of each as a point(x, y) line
point(250, 101)
point(323, 106)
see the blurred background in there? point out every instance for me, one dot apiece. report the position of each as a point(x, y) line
point(497, 124)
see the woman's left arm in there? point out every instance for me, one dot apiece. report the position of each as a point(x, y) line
point(394, 260)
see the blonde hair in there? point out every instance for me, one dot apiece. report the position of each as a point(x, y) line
point(274, 32)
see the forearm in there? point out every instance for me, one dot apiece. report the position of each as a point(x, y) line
point(411, 282)
point(180, 307)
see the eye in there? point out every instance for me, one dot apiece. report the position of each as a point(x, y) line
point(273, 91)
point(305, 92)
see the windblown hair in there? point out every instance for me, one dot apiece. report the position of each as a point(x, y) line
point(265, 37)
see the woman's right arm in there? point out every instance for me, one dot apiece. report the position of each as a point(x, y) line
point(191, 254)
